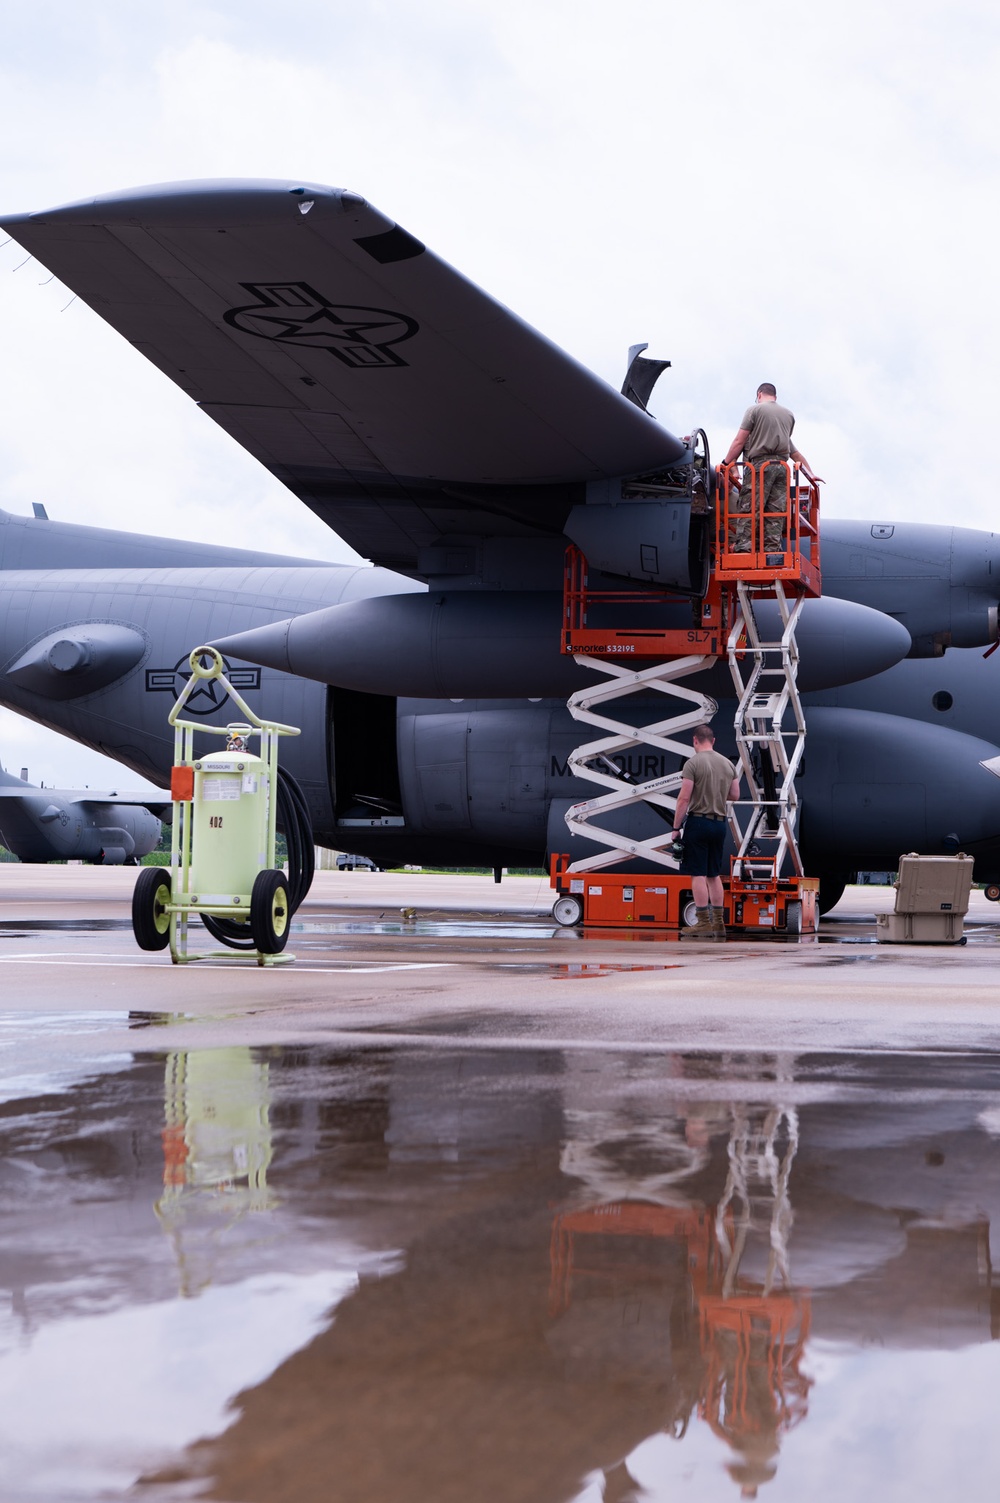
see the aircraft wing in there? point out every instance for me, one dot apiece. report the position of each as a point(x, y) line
point(394, 397)
point(155, 803)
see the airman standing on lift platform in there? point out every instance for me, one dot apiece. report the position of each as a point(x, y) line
point(709, 782)
point(765, 435)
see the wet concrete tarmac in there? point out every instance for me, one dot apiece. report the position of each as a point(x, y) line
point(463, 1206)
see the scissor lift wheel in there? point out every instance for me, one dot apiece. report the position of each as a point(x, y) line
point(568, 910)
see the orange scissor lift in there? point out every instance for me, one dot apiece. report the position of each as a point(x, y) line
point(769, 722)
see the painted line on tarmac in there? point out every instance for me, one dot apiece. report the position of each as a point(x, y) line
point(115, 962)
point(61, 955)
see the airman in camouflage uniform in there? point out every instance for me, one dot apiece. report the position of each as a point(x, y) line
point(765, 442)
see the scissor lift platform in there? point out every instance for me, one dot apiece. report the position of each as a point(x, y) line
point(663, 901)
point(770, 904)
point(620, 900)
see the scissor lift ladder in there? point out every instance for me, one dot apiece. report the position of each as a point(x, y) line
point(769, 720)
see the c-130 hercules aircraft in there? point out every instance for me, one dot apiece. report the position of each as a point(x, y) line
point(461, 452)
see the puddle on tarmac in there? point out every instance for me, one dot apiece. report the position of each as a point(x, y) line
point(138, 1019)
point(39, 1055)
point(461, 927)
point(582, 970)
point(19, 927)
point(14, 1026)
point(298, 1275)
point(330, 935)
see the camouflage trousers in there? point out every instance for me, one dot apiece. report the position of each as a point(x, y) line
point(775, 483)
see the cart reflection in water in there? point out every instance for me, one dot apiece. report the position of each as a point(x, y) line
point(216, 1153)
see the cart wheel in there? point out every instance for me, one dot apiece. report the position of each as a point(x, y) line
point(150, 919)
point(992, 892)
point(793, 917)
point(269, 912)
point(567, 910)
point(689, 911)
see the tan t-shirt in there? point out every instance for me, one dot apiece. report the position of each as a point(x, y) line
point(711, 774)
point(770, 428)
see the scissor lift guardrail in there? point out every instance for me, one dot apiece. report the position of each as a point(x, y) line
point(766, 547)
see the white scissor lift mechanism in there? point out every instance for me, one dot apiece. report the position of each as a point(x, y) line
point(770, 739)
point(661, 792)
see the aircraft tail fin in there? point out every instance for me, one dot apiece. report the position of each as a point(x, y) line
point(11, 780)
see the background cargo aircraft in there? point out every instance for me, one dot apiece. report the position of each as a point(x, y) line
point(460, 451)
point(59, 824)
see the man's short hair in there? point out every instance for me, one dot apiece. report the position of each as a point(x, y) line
point(703, 733)
point(765, 389)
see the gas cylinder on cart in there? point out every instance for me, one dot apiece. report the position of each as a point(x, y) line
point(229, 825)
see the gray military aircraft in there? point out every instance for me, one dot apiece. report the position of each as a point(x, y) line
point(59, 824)
point(460, 451)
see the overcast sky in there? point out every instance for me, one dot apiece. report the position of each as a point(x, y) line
point(801, 194)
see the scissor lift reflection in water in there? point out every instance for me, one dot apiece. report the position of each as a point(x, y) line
point(743, 1349)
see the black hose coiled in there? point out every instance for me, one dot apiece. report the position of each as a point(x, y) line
point(295, 823)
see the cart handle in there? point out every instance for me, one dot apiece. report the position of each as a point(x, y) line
point(215, 669)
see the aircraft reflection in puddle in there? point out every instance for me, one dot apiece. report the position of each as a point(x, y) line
point(669, 1303)
point(736, 1345)
point(619, 1272)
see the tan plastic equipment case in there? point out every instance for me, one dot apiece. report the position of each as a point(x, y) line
point(932, 899)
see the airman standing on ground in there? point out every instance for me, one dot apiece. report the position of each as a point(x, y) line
point(709, 782)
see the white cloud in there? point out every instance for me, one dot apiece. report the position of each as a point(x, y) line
point(805, 196)
point(132, 1387)
point(874, 1429)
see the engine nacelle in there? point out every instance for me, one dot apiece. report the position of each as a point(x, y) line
point(469, 644)
point(77, 660)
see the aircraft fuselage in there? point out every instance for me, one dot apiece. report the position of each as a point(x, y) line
point(483, 778)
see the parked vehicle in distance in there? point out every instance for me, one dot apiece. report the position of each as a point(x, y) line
point(346, 862)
